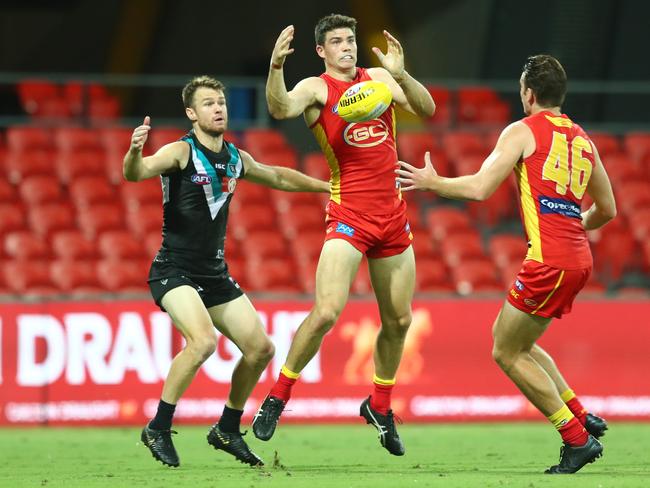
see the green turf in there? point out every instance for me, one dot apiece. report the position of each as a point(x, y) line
point(458, 455)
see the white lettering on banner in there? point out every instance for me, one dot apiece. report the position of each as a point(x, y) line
point(161, 336)
point(426, 406)
point(285, 325)
point(89, 342)
point(131, 351)
point(70, 411)
point(618, 405)
point(30, 328)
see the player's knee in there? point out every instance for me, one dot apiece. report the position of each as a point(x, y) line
point(398, 325)
point(324, 318)
point(262, 354)
point(202, 348)
point(503, 359)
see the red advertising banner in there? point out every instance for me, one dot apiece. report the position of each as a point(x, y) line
point(104, 363)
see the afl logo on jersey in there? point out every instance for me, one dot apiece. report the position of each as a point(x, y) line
point(201, 179)
point(366, 134)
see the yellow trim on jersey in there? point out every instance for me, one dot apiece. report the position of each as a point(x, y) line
point(332, 162)
point(559, 121)
point(377, 380)
point(529, 212)
point(392, 114)
point(557, 285)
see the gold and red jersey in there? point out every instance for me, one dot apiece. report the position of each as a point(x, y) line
point(361, 155)
point(552, 182)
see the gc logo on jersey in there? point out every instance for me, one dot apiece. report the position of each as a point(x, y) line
point(366, 134)
point(201, 179)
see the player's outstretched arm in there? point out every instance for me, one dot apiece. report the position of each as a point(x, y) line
point(283, 104)
point(408, 92)
point(136, 168)
point(478, 186)
point(599, 189)
point(279, 177)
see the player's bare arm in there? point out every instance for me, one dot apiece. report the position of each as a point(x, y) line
point(307, 93)
point(168, 157)
point(279, 177)
point(599, 189)
point(514, 142)
point(408, 93)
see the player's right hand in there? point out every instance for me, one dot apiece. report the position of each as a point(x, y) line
point(140, 135)
point(282, 46)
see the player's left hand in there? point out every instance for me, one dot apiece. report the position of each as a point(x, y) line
point(412, 178)
point(393, 60)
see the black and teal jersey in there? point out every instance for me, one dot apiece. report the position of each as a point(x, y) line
point(195, 208)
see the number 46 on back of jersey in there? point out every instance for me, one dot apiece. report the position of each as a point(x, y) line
point(568, 172)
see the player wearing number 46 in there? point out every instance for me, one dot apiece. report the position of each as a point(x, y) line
point(555, 164)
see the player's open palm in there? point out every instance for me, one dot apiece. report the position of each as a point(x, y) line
point(282, 46)
point(140, 134)
point(412, 178)
point(393, 59)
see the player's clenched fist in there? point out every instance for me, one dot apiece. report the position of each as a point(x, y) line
point(140, 135)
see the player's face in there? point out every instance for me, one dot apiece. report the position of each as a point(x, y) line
point(339, 49)
point(526, 96)
point(209, 111)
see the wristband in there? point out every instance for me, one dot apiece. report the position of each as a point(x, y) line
point(276, 66)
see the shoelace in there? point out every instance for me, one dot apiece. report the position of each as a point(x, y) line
point(391, 421)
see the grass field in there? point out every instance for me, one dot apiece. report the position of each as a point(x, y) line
point(459, 455)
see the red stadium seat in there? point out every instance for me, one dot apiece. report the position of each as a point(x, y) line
point(414, 216)
point(307, 247)
point(46, 218)
point(637, 145)
point(104, 110)
point(120, 244)
point(125, 276)
point(20, 139)
point(460, 143)
point(136, 195)
point(442, 98)
point(159, 136)
point(33, 92)
point(501, 205)
point(115, 140)
point(411, 146)
point(509, 272)
point(40, 189)
point(70, 139)
point(284, 200)
point(476, 276)
point(264, 245)
point(100, 218)
point(445, 220)
point(30, 162)
point(80, 163)
point(79, 277)
point(496, 113)
point(90, 190)
point(274, 275)
point(315, 164)
point(606, 144)
point(12, 217)
point(641, 227)
point(28, 278)
point(633, 195)
point(432, 276)
point(424, 247)
point(8, 192)
point(25, 246)
point(300, 219)
point(622, 169)
point(507, 248)
point(145, 219)
point(247, 193)
point(285, 157)
point(72, 245)
point(260, 141)
point(252, 218)
point(615, 253)
point(470, 101)
point(460, 247)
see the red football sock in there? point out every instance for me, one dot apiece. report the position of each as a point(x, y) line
point(577, 409)
point(380, 398)
point(282, 387)
point(573, 433)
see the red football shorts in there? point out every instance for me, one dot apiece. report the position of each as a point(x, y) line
point(376, 236)
point(545, 291)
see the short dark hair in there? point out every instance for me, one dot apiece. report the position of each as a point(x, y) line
point(199, 82)
point(546, 77)
point(331, 22)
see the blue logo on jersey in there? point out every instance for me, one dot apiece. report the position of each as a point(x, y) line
point(549, 205)
point(201, 179)
point(341, 228)
point(519, 285)
point(335, 109)
point(407, 228)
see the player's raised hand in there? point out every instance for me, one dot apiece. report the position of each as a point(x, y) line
point(282, 46)
point(140, 135)
point(412, 178)
point(393, 59)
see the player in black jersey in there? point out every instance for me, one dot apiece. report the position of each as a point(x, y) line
point(189, 278)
